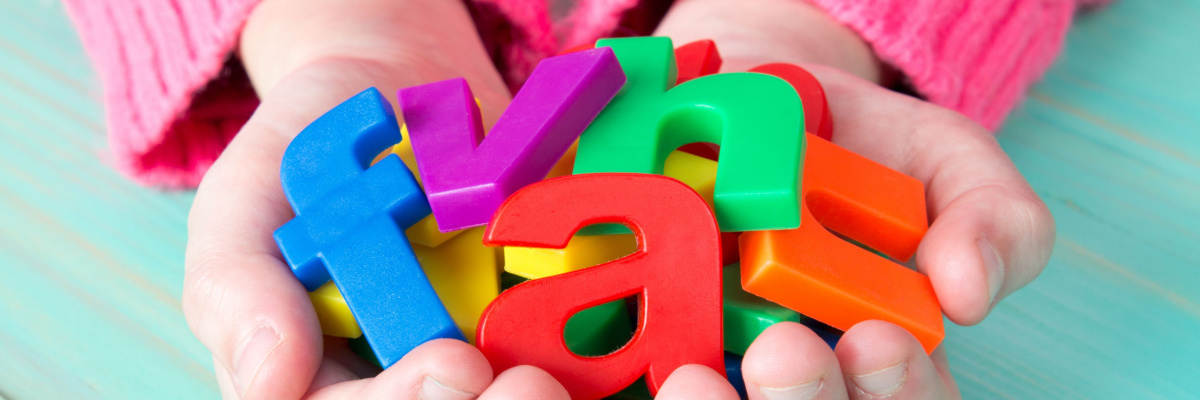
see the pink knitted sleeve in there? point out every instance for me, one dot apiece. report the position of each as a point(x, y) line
point(167, 117)
point(974, 56)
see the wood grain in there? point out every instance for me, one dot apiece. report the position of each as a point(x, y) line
point(92, 263)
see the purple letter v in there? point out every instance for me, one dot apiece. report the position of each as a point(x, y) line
point(466, 177)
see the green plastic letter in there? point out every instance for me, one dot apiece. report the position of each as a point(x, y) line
point(757, 120)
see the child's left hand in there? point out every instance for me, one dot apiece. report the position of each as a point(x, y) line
point(990, 232)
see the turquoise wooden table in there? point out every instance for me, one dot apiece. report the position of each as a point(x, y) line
point(91, 264)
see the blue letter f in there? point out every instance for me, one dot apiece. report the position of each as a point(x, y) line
point(350, 222)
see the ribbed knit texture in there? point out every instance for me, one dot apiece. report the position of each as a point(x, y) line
point(977, 57)
point(174, 98)
point(154, 57)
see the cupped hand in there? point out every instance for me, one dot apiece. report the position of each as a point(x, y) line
point(990, 234)
point(240, 299)
point(974, 194)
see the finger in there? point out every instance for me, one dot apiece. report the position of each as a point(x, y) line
point(789, 361)
point(239, 298)
point(881, 359)
point(248, 310)
point(442, 369)
point(989, 237)
point(224, 382)
point(991, 234)
point(695, 381)
point(525, 382)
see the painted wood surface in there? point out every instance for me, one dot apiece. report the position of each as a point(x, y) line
point(91, 264)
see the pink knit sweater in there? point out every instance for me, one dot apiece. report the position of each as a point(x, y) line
point(175, 97)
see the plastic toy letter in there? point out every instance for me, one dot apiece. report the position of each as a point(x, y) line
point(350, 222)
point(757, 120)
point(747, 315)
point(333, 313)
point(833, 281)
point(694, 60)
point(697, 59)
point(676, 274)
point(817, 120)
point(466, 179)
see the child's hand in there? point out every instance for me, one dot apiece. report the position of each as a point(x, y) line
point(990, 232)
point(305, 57)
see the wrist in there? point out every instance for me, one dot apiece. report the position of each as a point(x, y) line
point(788, 31)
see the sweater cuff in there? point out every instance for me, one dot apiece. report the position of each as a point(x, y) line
point(974, 56)
point(167, 118)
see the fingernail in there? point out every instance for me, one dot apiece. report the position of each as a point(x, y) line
point(884, 382)
point(431, 389)
point(799, 392)
point(993, 267)
point(250, 356)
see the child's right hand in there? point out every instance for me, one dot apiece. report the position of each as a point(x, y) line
point(304, 57)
